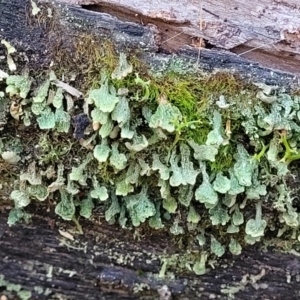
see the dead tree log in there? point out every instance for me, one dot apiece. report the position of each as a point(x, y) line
point(38, 260)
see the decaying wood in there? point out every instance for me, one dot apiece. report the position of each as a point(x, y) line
point(106, 262)
point(266, 31)
point(35, 41)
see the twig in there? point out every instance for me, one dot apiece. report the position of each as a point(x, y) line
point(172, 37)
point(201, 40)
point(271, 43)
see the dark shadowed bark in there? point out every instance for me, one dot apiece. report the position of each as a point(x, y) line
point(107, 263)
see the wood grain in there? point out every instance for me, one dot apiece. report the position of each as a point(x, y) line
point(262, 31)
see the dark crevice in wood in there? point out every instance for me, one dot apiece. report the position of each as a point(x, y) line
point(286, 63)
point(170, 37)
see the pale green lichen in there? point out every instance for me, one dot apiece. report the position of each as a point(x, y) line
point(256, 227)
point(86, 207)
point(123, 68)
point(105, 97)
point(65, 208)
point(205, 192)
point(18, 85)
point(165, 116)
point(159, 159)
point(140, 207)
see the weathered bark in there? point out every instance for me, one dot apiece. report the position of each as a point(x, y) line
point(267, 29)
point(151, 39)
point(97, 266)
point(108, 264)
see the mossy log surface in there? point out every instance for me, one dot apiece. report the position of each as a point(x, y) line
point(106, 262)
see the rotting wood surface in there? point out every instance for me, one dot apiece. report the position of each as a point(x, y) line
point(266, 31)
point(97, 266)
point(34, 42)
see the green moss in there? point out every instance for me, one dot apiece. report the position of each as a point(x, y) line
point(52, 150)
point(180, 92)
point(223, 159)
point(85, 59)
